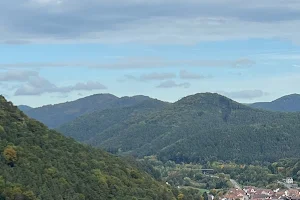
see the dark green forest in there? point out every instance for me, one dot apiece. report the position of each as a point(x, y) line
point(58, 114)
point(198, 131)
point(38, 163)
point(198, 128)
point(88, 126)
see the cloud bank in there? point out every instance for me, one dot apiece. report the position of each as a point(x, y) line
point(184, 74)
point(244, 94)
point(155, 76)
point(173, 84)
point(148, 22)
point(34, 84)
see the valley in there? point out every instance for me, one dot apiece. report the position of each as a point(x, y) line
point(198, 128)
point(204, 146)
point(149, 100)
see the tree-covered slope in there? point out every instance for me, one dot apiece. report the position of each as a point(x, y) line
point(58, 114)
point(203, 127)
point(289, 103)
point(38, 163)
point(86, 127)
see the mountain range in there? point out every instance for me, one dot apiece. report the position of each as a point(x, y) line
point(58, 114)
point(289, 103)
point(38, 163)
point(24, 108)
point(87, 126)
point(197, 128)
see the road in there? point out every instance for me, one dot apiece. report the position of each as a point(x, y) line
point(236, 185)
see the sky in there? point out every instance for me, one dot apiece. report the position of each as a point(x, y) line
point(54, 51)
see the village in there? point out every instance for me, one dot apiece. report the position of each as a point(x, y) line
point(253, 193)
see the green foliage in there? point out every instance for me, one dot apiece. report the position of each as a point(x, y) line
point(180, 196)
point(197, 128)
point(261, 175)
point(58, 114)
point(49, 166)
point(255, 175)
point(188, 176)
point(2, 129)
point(87, 127)
point(289, 168)
point(10, 154)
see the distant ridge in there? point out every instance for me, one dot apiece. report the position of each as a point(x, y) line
point(288, 103)
point(58, 114)
point(86, 127)
point(24, 107)
point(197, 128)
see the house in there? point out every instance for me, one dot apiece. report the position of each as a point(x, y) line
point(292, 194)
point(234, 194)
point(266, 192)
point(250, 189)
point(211, 197)
point(289, 180)
point(279, 195)
point(260, 196)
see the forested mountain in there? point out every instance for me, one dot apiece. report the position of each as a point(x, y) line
point(289, 103)
point(197, 128)
point(58, 114)
point(38, 163)
point(86, 127)
point(24, 108)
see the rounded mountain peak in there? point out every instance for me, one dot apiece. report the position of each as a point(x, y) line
point(291, 97)
point(209, 101)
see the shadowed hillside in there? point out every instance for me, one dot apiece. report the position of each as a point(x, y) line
point(197, 128)
point(38, 163)
point(289, 103)
point(58, 114)
point(24, 108)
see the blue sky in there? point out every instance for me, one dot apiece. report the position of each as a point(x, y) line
point(59, 50)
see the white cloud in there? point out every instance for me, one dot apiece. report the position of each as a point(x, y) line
point(188, 75)
point(40, 86)
point(150, 77)
point(244, 94)
point(90, 85)
point(173, 84)
point(244, 62)
point(17, 75)
point(34, 84)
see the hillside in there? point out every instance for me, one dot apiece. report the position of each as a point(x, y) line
point(38, 163)
point(200, 128)
point(289, 103)
point(58, 114)
point(24, 108)
point(86, 127)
